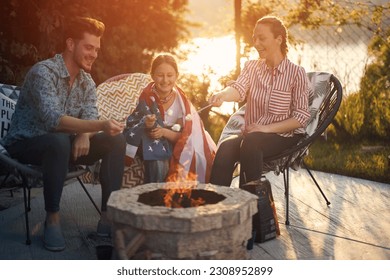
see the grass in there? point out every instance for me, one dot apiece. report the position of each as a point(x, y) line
point(366, 160)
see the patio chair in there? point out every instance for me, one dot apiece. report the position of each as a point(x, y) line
point(30, 175)
point(323, 108)
point(117, 98)
point(117, 77)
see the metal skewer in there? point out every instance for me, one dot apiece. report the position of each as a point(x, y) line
point(205, 107)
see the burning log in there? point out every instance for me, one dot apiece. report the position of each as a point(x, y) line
point(182, 198)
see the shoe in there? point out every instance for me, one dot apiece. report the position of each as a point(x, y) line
point(103, 229)
point(53, 240)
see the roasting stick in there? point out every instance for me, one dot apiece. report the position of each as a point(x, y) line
point(205, 107)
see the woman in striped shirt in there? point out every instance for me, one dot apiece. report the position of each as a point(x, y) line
point(277, 94)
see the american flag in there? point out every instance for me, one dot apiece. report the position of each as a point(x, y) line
point(193, 153)
point(152, 149)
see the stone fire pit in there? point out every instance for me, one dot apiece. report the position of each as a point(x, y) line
point(219, 229)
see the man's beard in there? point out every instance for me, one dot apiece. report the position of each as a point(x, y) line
point(79, 63)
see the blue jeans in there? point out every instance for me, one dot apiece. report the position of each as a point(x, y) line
point(155, 171)
point(52, 152)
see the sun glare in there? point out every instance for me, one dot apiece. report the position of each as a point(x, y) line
point(214, 57)
point(216, 54)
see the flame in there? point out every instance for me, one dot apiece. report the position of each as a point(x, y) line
point(180, 197)
point(177, 173)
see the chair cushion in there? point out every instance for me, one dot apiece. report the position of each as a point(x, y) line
point(117, 99)
point(321, 87)
point(10, 91)
point(3, 150)
point(134, 173)
point(234, 124)
point(8, 96)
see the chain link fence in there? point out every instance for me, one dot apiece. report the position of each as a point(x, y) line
point(341, 49)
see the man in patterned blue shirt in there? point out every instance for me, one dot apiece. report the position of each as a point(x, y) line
point(56, 123)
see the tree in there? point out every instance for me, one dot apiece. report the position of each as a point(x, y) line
point(251, 12)
point(135, 31)
point(314, 15)
point(238, 31)
point(350, 117)
point(375, 90)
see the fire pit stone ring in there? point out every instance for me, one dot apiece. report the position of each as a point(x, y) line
point(224, 224)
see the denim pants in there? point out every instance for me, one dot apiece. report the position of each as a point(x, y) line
point(249, 151)
point(52, 152)
point(155, 170)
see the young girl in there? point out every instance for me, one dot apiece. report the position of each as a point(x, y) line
point(175, 145)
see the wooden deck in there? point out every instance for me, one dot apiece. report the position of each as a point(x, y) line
point(355, 226)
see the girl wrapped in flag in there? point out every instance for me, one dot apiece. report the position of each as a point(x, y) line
point(166, 130)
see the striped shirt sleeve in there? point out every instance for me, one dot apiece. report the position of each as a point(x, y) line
point(243, 82)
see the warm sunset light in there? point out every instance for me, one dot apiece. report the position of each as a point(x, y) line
point(194, 139)
point(214, 57)
point(210, 54)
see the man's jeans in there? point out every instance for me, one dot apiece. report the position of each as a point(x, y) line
point(52, 152)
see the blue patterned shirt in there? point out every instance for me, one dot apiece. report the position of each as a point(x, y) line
point(46, 96)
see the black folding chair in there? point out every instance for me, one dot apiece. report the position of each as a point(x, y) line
point(324, 105)
point(30, 175)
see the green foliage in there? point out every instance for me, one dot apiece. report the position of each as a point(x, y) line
point(250, 14)
point(375, 89)
point(135, 31)
point(351, 115)
point(368, 160)
point(315, 14)
point(217, 123)
point(196, 89)
point(312, 14)
point(366, 114)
